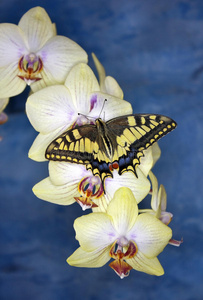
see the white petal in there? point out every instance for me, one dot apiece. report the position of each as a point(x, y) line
point(112, 87)
point(46, 80)
point(37, 28)
point(101, 72)
point(54, 29)
point(93, 259)
point(12, 44)
point(139, 186)
point(162, 196)
point(150, 266)
point(94, 231)
point(59, 55)
point(58, 194)
point(51, 108)
point(40, 144)
point(10, 83)
point(156, 152)
point(81, 82)
point(102, 203)
point(113, 107)
point(65, 172)
point(151, 155)
point(146, 162)
point(166, 217)
point(154, 200)
point(3, 103)
point(150, 235)
point(123, 209)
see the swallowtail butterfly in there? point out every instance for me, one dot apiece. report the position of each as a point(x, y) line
point(116, 144)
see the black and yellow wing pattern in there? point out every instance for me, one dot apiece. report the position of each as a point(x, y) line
point(116, 144)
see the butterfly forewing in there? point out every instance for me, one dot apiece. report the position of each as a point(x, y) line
point(75, 145)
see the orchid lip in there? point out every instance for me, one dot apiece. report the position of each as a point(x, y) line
point(30, 66)
point(119, 265)
point(90, 188)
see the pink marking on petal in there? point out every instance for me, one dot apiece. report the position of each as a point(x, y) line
point(93, 100)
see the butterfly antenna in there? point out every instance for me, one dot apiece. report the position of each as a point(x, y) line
point(102, 109)
point(87, 117)
point(80, 114)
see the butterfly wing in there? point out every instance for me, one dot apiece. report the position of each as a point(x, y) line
point(75, 145)
point(81, 145)
point(134, 134)
point(121, 146)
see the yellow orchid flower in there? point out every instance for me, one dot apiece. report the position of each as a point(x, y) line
point(132, 240)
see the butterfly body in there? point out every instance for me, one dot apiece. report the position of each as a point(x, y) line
point(116, 144)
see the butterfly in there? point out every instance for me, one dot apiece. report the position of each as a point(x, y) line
point(116, 144)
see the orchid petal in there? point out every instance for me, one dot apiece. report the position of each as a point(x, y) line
point(151, 155)
point(94, 231)
point(156, 152)
point(101, 72)
point(146, 161)
point(166, 217)
point(40, 144)
point(46, 79)
point(93, 259)
point(150, 235)
point(59, 55)
point(12, 44)
point(58, 194)
point(54, 29)
point(162, 196)
point(62, 172)
point(124, 210)
point(37, 27)
point(81, 82)
point(50, 108)
point(155, 201)
point(3, 103)
point(10, 83)
point(112, 87)
point(102, 203)
point(139, 186)
point(147, 265)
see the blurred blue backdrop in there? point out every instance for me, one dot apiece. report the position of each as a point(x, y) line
point(154, 50)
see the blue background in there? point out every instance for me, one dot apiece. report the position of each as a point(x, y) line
point(154, 50)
